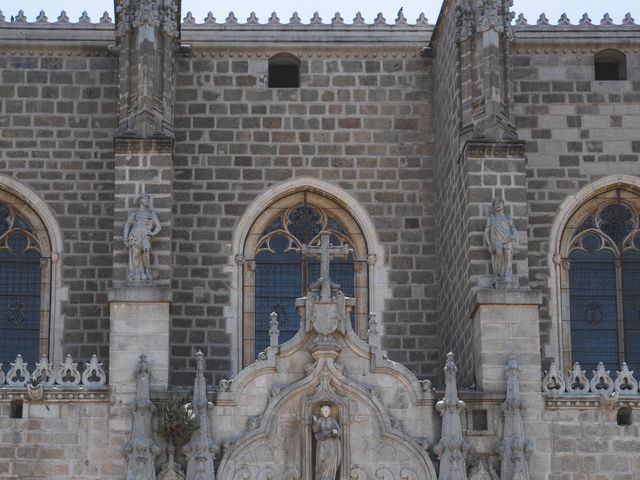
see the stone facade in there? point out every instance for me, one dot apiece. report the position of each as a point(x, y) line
point(410, 130)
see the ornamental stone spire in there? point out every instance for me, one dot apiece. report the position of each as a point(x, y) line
point(147, 34)
point(452, 448)
point(200, 451)
point(515, 450)
point(141, 451)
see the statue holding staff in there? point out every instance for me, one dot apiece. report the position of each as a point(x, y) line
point(501, 238)
point(141, 225)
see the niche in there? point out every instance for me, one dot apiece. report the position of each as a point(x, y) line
point(15, 409)
point(284, 71)
point(610, 65)
point(625, 416)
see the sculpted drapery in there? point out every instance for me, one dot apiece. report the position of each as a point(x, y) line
point(327, 433)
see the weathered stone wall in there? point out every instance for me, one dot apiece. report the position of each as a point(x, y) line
point(58, 116)
point(361, 120)
point(450, 178)
point(65, 441)
point(587, 441)
point(577, 130)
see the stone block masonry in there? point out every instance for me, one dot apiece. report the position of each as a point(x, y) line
point(361, 119)
point(59, 112)
point(576, 129)
point(61, 440)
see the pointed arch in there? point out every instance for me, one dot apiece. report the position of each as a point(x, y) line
point(46, 240)
point(367, 248)
point(568, 235)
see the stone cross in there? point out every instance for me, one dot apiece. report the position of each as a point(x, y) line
point(326, 252)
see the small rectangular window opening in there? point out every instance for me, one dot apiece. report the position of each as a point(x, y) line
point(607, 71)
point(479, 420)
point(15, 409)
point(610, 64)
point(284, 76)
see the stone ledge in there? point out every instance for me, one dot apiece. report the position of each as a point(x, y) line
point(590, 401)
point(493, 149)
point(140, 294)
point(57, 395)
point(509, 296)
point(134, 145)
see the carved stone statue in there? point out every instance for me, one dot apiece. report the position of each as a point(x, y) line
point(501, 237)
point(141, 225)
point(327, 433)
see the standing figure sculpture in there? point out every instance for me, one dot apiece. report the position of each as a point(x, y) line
point(327, 433)
point(501, 237)
point(141, 225)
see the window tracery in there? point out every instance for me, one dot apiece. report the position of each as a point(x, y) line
point(601, 283)
point(24, 283)
point(275, 272)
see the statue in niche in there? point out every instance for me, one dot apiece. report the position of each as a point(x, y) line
point(141, 225)
point(501, 237)
point(327, 433)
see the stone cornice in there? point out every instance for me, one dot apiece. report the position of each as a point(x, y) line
point(591, 401)
point(57, 395)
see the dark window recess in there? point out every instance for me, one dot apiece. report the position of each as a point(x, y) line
point(479, 419)
point(624, 417)
point(284, 75)
point(610, 65)
point(16, 409)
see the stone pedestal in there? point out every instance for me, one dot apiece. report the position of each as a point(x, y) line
point(505, 322)
point(140, 319)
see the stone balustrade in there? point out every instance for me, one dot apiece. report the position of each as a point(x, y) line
point(575, 389)
point(67, 375)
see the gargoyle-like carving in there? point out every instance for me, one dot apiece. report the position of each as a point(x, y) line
point(465, 20)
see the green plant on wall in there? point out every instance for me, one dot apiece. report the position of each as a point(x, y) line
point(176, 421)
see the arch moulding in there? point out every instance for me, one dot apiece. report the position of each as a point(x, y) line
point(567, 208)
point(378, 284)
point(59, 292)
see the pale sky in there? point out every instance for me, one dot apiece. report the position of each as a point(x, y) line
point(327, 9)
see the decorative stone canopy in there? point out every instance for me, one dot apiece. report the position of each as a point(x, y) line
point(384, 412)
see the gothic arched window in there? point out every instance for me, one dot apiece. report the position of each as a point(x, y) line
point(601, 283)
point(275, 272)
point(24, 282)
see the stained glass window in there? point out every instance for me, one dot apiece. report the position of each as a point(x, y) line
point(604, 287)
point(20, 288)
point(280, 273)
